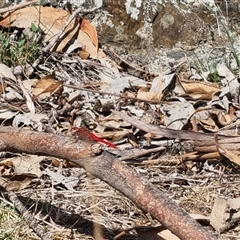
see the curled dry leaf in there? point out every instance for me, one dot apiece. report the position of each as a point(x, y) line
point(198, 90)
point(83, 54)
point(212, 119)
point(88, 28)
point(67, 37)
point(156, 88)
point(47, 85)
point(88, 46)
point(232, 156)
point(50, 21)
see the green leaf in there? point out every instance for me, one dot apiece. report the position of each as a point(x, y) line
point(34, 28)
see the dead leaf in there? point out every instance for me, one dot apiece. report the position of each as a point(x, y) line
point(169, 81)
point(197, 87)
point(177, 114)
point(166, 234)
point(198, 90)
point(22, 165)
point(229, 80)
point(143, 93)
point(6, 72)
point(156, 88)
point(74, 46)
point(88, 28)
point(47, 85)
point(200, 217)
point(57, 178)
point(67, 37)
point(225, 213)
point(87, 44)
point(14, 185)
point(218, 213)
point(83, 54)
point(29, 119)
point(7, 114)
point(156, 233)
point(49, 20)
point(114, 135)
point(233, 156)
point(212, 119)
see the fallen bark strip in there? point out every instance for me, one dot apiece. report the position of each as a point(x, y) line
point(107, 168)
point(207, 149)
point(166, 132)
point(195, 156)
point(199, 139)
point(141, 153)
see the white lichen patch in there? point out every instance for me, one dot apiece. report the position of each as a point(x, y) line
point(132, 8)
point(145, 32)
point(167, 20)
point(103, 18)
point(97, 3)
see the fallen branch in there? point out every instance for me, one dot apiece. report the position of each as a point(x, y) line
point(31, 221)
point(107, 168)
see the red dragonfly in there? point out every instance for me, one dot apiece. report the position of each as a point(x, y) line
point(84, 134)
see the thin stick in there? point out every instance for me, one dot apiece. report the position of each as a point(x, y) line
point(141, 153)
point(55, 39)
point(111, 94)
point(31, 221)
point(20, 5)
point(29, 100)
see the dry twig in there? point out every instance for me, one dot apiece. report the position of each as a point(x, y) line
point(111, 94)
point(142, 153)
point(18, 6)
point(31, 221)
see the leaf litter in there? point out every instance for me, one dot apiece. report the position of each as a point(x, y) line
point(68, 90)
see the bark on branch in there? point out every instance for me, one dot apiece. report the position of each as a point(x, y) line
point(117, 174)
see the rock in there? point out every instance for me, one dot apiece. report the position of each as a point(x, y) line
point(151, 23)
